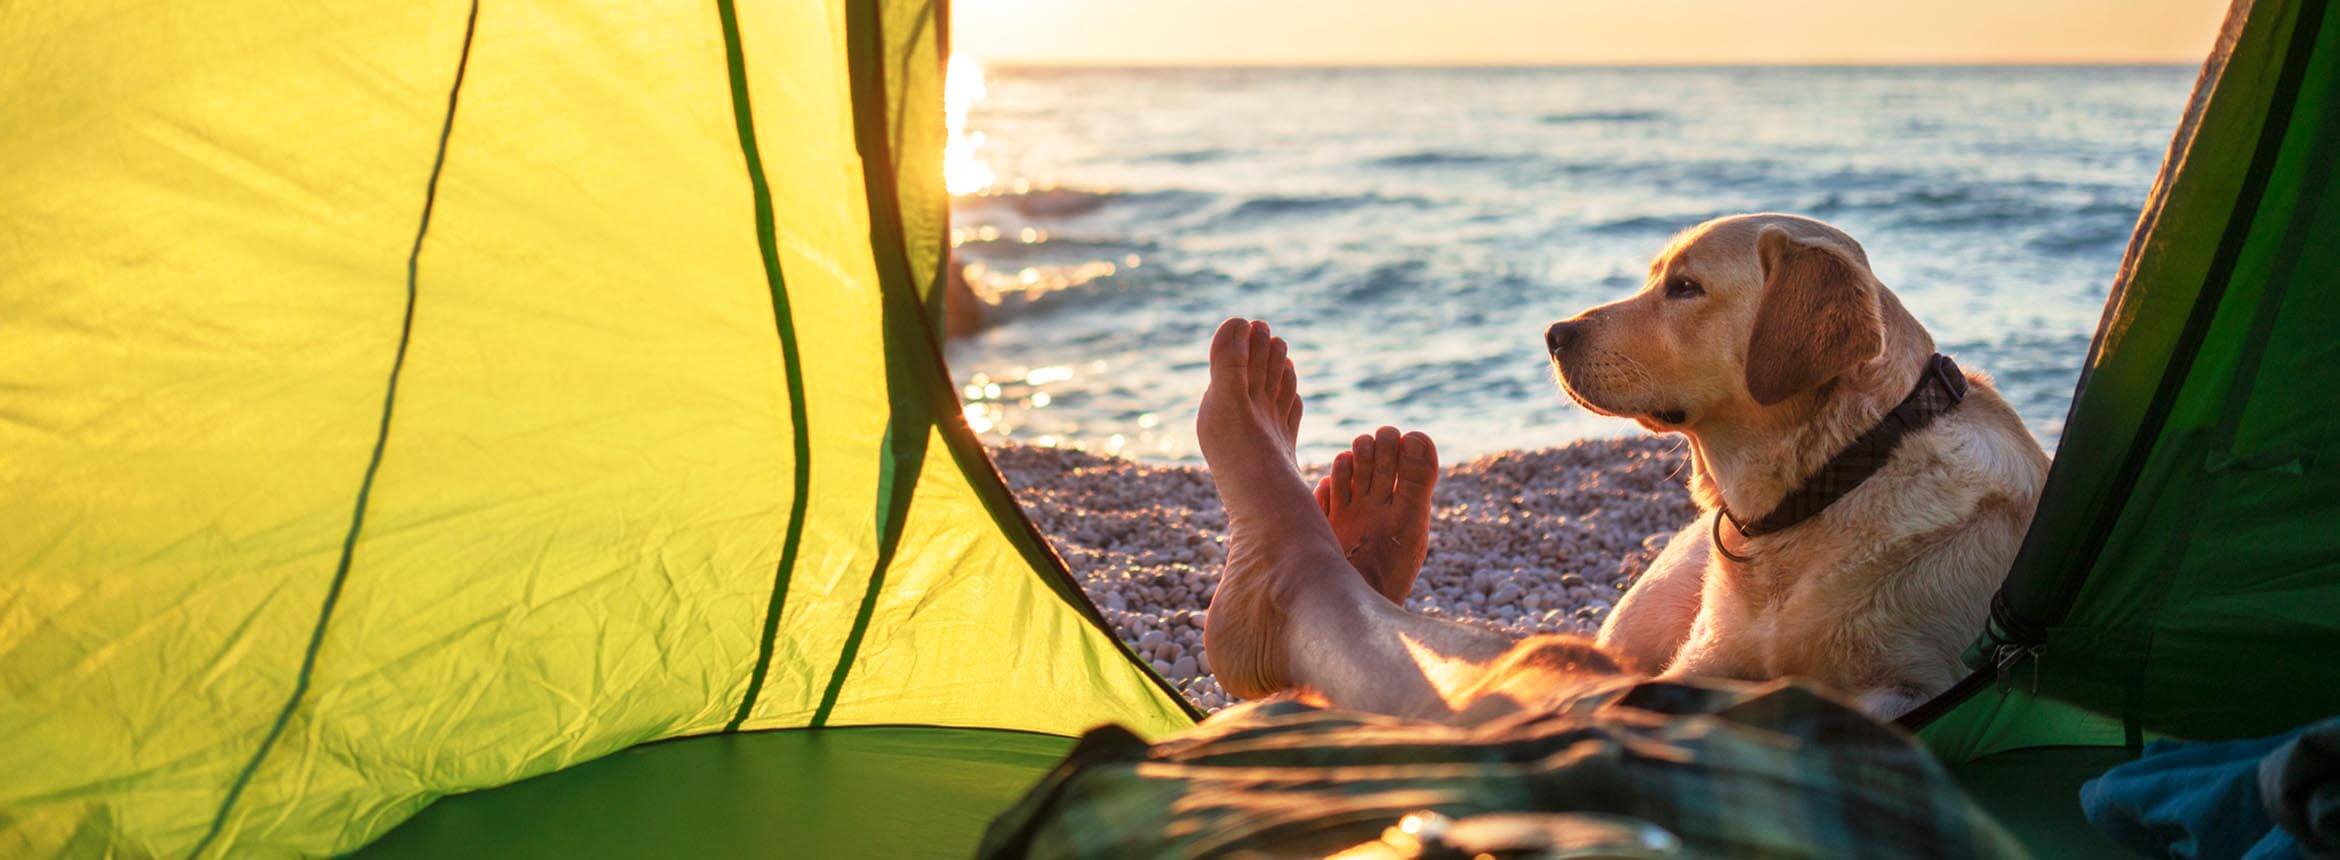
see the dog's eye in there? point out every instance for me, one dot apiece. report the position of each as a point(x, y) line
point(1678, 287)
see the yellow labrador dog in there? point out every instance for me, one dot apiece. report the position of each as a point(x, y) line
point(1862, 497)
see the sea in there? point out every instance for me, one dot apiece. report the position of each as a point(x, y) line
point(1411, 231)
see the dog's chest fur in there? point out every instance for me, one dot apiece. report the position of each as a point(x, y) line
point(1884, 580)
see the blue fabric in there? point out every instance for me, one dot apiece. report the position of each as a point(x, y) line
point(2300, 783)
point(2218, 800)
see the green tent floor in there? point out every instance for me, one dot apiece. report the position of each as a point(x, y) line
point(914, 791)
point(841, 792)
point(2035, 794)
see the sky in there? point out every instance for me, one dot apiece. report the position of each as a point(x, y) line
point(1580, 32)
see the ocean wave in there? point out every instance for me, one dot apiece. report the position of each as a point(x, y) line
point(1060, 202)
point(1443, 158)
point(1280, 205)
point(1387, 280)
point(1191, 156)
point(2023, 357)
point(2011, 212)
point(1868, 188)
point(1055, 243)
point(1007, 295)
point(1601, 116)
point(2073, 216)
point(1676, 172)
point(1631, 224)
point(2096, 228)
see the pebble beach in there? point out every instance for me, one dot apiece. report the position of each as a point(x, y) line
point(1520, 541)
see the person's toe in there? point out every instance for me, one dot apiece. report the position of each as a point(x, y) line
point(1361, 480)
point(1385, 443)
point(1324, 495)
point(1277, 363)
point(1276, 389)
point(1231, 354)
point(1417, 469)
point(1344, 471)
point(1260, 370)
point(1292, 407)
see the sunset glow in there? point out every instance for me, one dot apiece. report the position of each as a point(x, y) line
point(963, 169)
point(1572, 32)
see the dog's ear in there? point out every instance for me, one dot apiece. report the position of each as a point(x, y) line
point(1819, 317)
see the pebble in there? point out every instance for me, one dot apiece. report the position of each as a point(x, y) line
point(1521, 542)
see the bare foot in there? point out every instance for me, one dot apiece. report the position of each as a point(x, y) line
point(1280, 550)
point(1378, 501)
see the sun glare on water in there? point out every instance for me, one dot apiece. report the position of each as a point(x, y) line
point(963, 169)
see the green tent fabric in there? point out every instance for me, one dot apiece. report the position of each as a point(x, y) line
point(401, 400)
point(2182, 577)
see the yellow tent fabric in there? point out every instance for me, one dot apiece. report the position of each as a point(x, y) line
point(403, 399)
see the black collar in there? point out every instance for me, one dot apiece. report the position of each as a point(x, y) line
point(1939, 390)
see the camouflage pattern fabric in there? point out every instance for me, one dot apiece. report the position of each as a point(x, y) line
point(1772, 770)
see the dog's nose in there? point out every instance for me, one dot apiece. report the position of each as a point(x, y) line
point(1561, 334)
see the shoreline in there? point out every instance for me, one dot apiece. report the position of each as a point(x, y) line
point(1537, 541)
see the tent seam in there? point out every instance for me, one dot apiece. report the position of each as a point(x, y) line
point(903, 449)
point(895, 515)
point(938, 285)
point(373, 463)
point(784, 321)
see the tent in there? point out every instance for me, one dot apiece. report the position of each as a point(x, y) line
point(400, 400)
point(2182, 577)
point(400, 403)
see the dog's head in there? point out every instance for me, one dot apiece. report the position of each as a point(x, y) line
point(1739, 314)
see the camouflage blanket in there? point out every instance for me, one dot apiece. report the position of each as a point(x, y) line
point(1774, 770)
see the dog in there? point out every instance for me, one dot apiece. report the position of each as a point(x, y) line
point(1768, 343)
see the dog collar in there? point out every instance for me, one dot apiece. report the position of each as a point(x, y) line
point(1939, 389)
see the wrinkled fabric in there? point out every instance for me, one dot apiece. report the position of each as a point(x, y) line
point(2263, 798)
point(404, 399)
point(1776, 770)
point(2300, 785)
